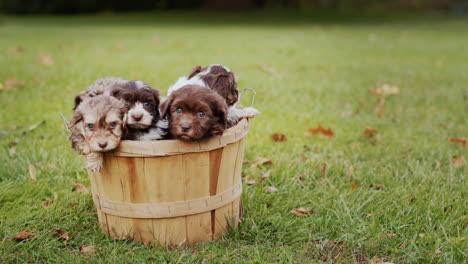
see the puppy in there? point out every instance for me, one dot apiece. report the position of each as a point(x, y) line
point(144, 121)
point(195, 112)
point(96, 127)
point(222, 80)
point(141, 100)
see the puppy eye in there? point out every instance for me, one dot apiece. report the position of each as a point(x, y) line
point(178, 110)
point(201, 114)
point(112, 124)
point(146, 104)
point(90, 126)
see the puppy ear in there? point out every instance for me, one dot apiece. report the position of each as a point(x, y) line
point(165, 106)
point(116, 92)
point(78, 101)
point(156, 101)
point(221, 113)
point(77, 117)
point(195, 71)
point(225, 85)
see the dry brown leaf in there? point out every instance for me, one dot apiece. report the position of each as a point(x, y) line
point(301, 211)
point(88, 250)
point(323, 168)
point(403, 244)
point(368, 214)
point(322, 131)
point(369, 132)
point(459, 140)
point(376, 185)
point(265, 175)
point(379, 108)
point(63, 235)
point(354, 185)
point(350, 171)
point(47, 203)
point(268, 69)
point(23, 235)
point(80, 187)
point(270, 189)
point(385, 90)
point(457, 162)
point(277, 137)
point(36, 125)
point(299, 177)
point(45, 59)
point(380, 261)
point(32, 172)
point(12, 151)
point(324, 181)
point(438, 252)
point(261, 161)
point(17, 49)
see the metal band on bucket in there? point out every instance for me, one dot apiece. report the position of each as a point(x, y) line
point(167, 210)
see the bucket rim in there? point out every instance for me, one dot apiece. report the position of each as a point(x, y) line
point(169, 147)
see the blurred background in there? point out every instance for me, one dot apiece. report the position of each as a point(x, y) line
point(86, 6)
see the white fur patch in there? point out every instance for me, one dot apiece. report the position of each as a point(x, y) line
point(137, 110)
point(155, 133)
point(182, 81)
point(235, 114)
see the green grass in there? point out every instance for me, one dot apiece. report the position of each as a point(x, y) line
point(325, 68)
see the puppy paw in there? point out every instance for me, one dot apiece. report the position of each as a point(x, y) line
point(250, 112)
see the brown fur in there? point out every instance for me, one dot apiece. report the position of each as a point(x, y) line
point(99, 111)
point(188, 124)
point(219, 80)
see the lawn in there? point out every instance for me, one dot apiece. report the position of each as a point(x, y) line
point(395, 193)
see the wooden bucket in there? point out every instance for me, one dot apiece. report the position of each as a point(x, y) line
point(172, 192)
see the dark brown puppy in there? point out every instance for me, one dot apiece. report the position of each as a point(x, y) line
point(195, 112)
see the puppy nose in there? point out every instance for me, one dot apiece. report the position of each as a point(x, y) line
point(137, 117)
point(186, 127)
point(102, 145)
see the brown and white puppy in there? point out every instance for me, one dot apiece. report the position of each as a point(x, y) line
point(142, 102)
point(195, 112)
point(96, 127)
point(144, 121)
point(222, 80)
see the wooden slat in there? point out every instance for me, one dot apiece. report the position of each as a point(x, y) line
point(225, 181)
point(236, 207)
point(197, 185)
point(166, 183)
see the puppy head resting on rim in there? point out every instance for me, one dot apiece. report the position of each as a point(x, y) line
point(142, 102)
point(195, 112)
point(216, 77)
point(97, 124)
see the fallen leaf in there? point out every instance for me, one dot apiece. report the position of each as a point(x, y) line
point(369, 132)
point(32, 172)
point(34, 126)
point(301, 211)
point(350, 171)
point(438, 252)
point(322, 131)
point(299, 177)
point(323, 168)
point(459, 140)
point(361, 259)
point(403, 244)
point(265, 175)
point(270, 189)
point(379, 108)
point(17, 49)
point(63, 235)
point(12, 151)
point(380, 261)
point(47, 203)
point(88, 250)
point(457, 162)
point(368, 214)
point(377, 186)
point(354, 185)
point(324, 181)
point(261, 161)
point(268, 69)
point(277, 137)
point(80, 187)
point(45, 59)
point(23, 235)
point(386, 90)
